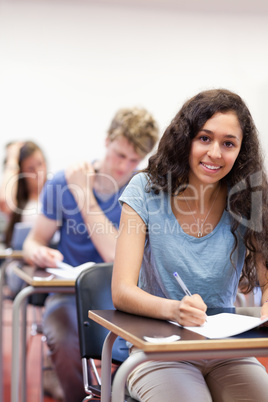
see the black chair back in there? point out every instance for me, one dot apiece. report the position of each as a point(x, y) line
point(93, 292)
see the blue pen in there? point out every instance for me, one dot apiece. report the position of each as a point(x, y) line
point(182, 284)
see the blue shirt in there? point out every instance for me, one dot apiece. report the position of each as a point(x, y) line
point(75, 242)
point(203, 263)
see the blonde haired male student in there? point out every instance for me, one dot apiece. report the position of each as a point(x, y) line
point(82, 202)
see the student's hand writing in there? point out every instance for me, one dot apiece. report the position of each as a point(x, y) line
point(46, 257)
point(192, 311)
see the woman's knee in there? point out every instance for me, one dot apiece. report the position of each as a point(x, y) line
point(159, 381)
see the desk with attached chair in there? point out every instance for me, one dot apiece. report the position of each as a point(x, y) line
point(39, 281)
point(93, 291)
point(4, 254)
point(190, 346)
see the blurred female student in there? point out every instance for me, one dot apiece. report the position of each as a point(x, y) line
point(25, 173)
point(199, 208)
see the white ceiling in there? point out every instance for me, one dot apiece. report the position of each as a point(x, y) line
point(225, 6)
point(197, 6)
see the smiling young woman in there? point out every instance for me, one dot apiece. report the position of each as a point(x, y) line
point(213, 152)
point(212, 228)
point(215, 148)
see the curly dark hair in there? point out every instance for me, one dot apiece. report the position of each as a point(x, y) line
point(168, 170)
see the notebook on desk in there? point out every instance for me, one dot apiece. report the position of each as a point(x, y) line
point(67, 271)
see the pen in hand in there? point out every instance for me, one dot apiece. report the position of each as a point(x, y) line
point(182, 284)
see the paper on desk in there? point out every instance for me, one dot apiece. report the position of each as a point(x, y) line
point(224, 325)
point(67, 271)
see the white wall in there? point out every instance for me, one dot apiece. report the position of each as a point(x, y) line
point(67, 66)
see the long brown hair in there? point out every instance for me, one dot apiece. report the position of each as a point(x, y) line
point(168, 169)
point(22, 196)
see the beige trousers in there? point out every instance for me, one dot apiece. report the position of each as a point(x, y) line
point(234, 380)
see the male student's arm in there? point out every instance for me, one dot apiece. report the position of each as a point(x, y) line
point(35, 247)
point(80, 179)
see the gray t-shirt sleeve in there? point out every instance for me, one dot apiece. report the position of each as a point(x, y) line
point(135, 196)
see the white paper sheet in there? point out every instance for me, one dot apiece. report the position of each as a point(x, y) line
point(68, 272)
point(226, 324)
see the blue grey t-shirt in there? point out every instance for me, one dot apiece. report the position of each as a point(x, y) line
point(203, 263)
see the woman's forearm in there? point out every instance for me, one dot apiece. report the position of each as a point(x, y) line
point(134, 300)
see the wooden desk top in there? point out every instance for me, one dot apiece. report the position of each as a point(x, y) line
point(9, 253)
point(40, 278)
point(132, 328)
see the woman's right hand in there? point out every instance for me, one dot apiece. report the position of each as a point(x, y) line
point(9, 183)
point(192, 311)
point(13, 153)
